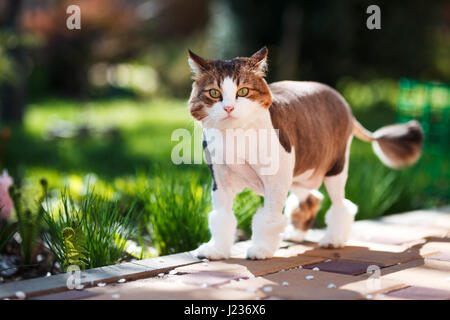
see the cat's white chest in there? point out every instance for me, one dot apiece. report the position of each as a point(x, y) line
point(249, 155)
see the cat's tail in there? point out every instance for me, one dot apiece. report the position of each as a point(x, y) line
point(395, 145)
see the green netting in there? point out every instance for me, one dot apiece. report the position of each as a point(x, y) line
point(428, 103)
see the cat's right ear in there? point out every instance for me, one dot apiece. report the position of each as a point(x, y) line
point(198, 64)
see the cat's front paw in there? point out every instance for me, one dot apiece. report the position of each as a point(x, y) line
point(257, 252)
point(211, 252)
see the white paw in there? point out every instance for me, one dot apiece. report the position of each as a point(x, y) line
point(333, 240)
point(211, 252)
point(293, 234)
point(339, 220)
point(256, 252)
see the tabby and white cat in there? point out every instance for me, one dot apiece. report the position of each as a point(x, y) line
point(314, 126)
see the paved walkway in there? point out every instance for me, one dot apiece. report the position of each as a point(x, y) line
point(404, 256)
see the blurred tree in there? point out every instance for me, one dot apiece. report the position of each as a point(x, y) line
point(112, 31)
point(325, 40)
point(108, 33)
point(12, 54)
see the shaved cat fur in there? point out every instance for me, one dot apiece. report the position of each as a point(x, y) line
point(314, 127)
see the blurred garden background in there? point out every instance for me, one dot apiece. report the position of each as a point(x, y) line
point(86, 116)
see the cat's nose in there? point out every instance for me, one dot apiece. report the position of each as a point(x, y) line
point(228, 109)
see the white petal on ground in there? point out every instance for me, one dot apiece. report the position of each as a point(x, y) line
point(267, 289)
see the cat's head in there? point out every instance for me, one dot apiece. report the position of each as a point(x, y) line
point(229, 93)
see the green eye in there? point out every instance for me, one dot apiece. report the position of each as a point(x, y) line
point(214, 93)
point(242, 92)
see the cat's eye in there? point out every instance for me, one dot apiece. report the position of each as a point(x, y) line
point(242, 92)
point(214, 93)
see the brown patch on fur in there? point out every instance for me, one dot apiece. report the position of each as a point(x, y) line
point(400, 143)
point(198, 112)
point(316, 121)
point(303, 217)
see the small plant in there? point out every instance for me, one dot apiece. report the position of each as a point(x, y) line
point(177, 208)
point(29, 218)
point(89, 233)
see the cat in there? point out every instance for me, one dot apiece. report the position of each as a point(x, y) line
point(314, 128)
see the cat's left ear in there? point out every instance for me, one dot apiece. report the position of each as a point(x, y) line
point(197, 63)
point(258, 61)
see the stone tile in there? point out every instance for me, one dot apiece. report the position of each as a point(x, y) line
point(383, 232)
point(440, 256)
point(159, 289)
point(33, 286)
point(204, 278)
point(382, 255)
point(244, 268)
point(440, 245)
point(262, 267)
point(169, 262)
point(421, 273)
point(420, 293)
point(126, 270)
point(66, 295)
point(234, 269)
point(239, 249)
point(341, 266)
point(437, 218)
point(293, 284)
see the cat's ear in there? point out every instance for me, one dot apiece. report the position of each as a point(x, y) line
point(258, 61)
point(198, 64)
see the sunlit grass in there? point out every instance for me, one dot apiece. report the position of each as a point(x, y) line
point(91, 232)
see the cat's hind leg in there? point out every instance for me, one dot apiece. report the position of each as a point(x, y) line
point(300, 209)
point(340, 216)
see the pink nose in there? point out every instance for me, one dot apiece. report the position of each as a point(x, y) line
point(228, 109)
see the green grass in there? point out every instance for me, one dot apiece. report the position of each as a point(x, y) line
point(177, 212)
point(141, 137)
point(89, 233)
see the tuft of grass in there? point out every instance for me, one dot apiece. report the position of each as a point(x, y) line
point(29, 212)
point(89, 233)
point(177, 208)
